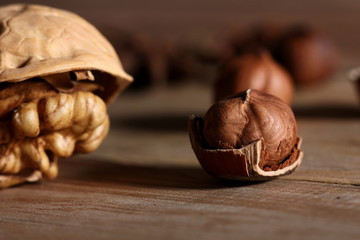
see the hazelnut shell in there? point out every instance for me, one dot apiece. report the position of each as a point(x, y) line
point(236, 164)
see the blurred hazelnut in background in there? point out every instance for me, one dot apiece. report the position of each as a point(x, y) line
point(255, 70)
point(296, 52)
point(308, 55)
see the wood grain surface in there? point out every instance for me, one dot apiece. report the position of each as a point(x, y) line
point(144, 182)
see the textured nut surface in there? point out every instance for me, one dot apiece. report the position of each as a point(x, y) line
point(253, 70)
point(248, 117)
point(57, 71)
point(244, 163)
point(26, 120)
point(12, 95)
point(38, 41)
point(59, 133)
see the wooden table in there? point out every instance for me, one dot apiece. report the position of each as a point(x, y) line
point(145, 182)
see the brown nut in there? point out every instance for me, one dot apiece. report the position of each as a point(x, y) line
point(251, 136)
point(57, 73)
point(308, 55)
point(253, 70)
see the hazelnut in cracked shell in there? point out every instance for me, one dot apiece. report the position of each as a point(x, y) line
point(253, 70)
point(250, 136)
point(57, 72)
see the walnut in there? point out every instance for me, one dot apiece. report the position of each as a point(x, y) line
point(57, 72)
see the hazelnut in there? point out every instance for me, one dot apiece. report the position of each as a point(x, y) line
point(255, 70)
point(251, 136)
point(308, 55)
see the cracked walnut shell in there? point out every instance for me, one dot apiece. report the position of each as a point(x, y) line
point(250, 136)
point(57, 72)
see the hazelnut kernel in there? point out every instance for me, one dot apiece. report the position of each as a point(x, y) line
point(251, 136)
point(250, 116)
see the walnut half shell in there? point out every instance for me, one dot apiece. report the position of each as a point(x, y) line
point(238, 164)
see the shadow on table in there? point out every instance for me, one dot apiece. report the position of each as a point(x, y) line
point(96, 172)
point(328, 111)
point(158, 123)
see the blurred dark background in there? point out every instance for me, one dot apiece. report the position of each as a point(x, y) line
point(208, 19)
point(203, 26)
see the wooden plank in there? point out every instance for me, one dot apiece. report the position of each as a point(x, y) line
point(99, 200)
